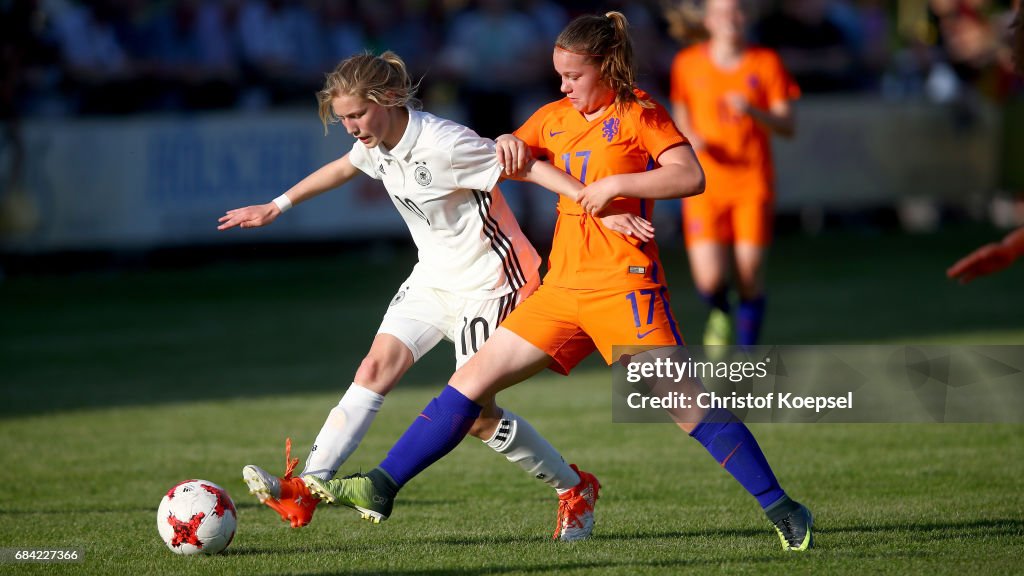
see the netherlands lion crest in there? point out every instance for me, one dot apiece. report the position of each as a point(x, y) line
point(422, 176)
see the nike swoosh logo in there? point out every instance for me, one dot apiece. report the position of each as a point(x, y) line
point(425, 417)
point(726, 461)
point(552, 133)
point(642, 335)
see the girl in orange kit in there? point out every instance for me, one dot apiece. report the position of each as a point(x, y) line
point(728, 98)
point(603, 288)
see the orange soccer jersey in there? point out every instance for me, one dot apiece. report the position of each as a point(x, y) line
point(585, 254)
point(602, 288)
point(737, 158)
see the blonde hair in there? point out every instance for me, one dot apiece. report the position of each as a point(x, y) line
point(605, 41)
point(686, 21)
point(382, 79)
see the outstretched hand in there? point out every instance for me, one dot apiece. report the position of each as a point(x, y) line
point(249, 217)
point(986, 260)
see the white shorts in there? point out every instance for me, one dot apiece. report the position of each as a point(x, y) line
point(420, 317)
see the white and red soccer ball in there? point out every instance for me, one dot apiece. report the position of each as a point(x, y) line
point(196, 517)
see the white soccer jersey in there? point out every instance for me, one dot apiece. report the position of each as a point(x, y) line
point(443, 179)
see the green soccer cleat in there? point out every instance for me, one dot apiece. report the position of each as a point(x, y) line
point(795, 529)
point(718, 331)
point(372, 495)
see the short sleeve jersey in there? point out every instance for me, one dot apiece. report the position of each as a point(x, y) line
point(737, 159)
point(442, 178)
point(584, 253)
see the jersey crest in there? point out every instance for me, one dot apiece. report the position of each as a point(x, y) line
point(398, 297)
point(422, 175)
point(610, 128)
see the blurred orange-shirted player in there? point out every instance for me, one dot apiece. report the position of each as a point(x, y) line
point(728, 98)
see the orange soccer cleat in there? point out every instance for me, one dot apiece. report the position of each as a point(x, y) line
point(288, 496)
point(576, 509)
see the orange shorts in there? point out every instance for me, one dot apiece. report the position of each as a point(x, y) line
point(569, 324)
point(707, 218)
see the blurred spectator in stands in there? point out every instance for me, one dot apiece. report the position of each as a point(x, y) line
point(866, 26)
point(875, 46)
point(1010, 56)
point(652, 49)
point(997, 256)
point(281, 51)
point(1017, 37)
point(15, 43)
point(813, 47)
point(343, 33)
point(495, 54)
point(974, 38)
point(196, 53)
point(548, 16)
point(100, 73)
point(21, 48)
point(411, 28)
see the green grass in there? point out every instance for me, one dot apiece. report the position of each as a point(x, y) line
point(115, 386)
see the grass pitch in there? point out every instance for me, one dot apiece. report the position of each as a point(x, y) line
point(115, 386)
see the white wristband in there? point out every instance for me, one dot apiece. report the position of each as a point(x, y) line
point(283, 203)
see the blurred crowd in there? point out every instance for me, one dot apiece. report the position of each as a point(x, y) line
point(82, 57)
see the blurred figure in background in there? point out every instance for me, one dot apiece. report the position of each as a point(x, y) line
point(495, 54)
point(548, 16)
point(728, 98)
point(970, 33)
point(343, 32)
point(15, 41)
point(493, 58)
point(280, 50)
point(30, 64)
point(101, 74)
point(412, 28)
point(996, 256)
point(867, 24)
point(196, 53)
point(1018, 37)
point(813, 47)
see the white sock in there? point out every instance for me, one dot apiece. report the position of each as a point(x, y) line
point(342, 431)
point(526, 448)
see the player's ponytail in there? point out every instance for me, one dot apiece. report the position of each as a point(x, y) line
point(383, 79)
point(606, 41)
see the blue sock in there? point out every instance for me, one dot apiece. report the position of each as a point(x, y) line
point(719, 299)
point(434, 433)
point(734, 447)
point(749, 317)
